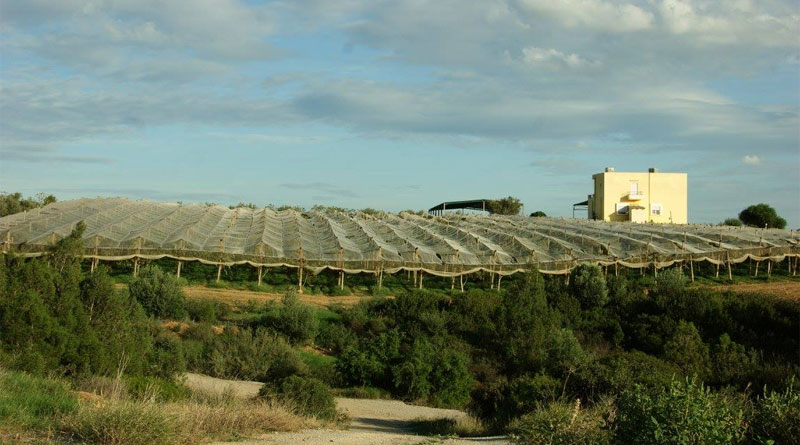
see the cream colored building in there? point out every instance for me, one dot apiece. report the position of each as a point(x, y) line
point(648, 197)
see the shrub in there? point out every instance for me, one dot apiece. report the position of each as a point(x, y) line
point(777, 416)
point(335, 337)
point(588, 285)
point(687, 350)
point(732, 363)
point(732, 222)
point(124, 423)
point(670, 283)
point(159, 293)
point(686, 413)
point(160, 389)
point(562, 423)
point(308, 395)
point(208, 311)
point(296, 320)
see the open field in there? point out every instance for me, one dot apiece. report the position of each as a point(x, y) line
point(782, 289)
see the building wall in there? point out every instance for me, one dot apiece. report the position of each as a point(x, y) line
point(663, 197)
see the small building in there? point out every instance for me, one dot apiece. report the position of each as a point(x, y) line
point(647, 197)
point(481, 205)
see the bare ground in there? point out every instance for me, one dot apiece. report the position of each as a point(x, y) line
point(780, 289)
point(237, 296)
point(382, 422)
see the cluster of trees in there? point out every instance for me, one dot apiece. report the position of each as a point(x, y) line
point(56, 319)
point(11, 203)
point(757, 215)
point(542, 344)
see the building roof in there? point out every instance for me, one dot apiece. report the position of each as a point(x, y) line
point(473, 204)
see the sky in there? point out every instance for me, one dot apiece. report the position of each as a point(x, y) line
point(400, 104)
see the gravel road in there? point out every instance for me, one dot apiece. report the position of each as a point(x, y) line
point(380, 422)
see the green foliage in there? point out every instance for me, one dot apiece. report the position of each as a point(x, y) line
point(687, 350)
point(732, 363)
point(670, 284)
point(161, 389)
point(504, 206)
point(11, 203)
point(429, 373)
point(762, 215)
point(732, 222)
point(777, 416)
point(31, 402)
point(588, 285)
point(308, 395)
point(207, 311)
point(242, 354)
point(296, 320)
point(538, 214)
point(159, 293)
point(560, 423)
point(686, 413)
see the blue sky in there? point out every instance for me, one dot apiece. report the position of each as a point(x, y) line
point(400, 104)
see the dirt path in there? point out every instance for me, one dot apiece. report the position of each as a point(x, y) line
point(381, 422)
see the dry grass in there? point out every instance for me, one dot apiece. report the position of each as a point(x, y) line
point(464, 426)
point(235, 420)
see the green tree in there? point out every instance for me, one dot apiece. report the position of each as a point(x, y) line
point(296, 320)
point(159, 293)
point(588, 285)
point(11, 203)
point(762, 215)
point(687, 350)
point(504, 206)
point(732, 222)
point(538, 214)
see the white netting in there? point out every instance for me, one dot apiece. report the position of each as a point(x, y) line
point(449, 245)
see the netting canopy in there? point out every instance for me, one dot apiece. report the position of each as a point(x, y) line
point(448, 245)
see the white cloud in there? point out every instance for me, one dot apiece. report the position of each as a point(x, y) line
point(553, 59)
point(751, 160)
point(592, 14)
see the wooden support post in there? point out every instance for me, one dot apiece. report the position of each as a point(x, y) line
point(452, 283)
point(730, 272)
point(341, 279)
point(717, 273)
point(300, 279)
point(655, 270)
point(380, 278)
point(94, 264)
point(420, 279)
point(491, 280)
point(219, 271)
point(136, 267)
point(178, 272)
point(461, 282)
point(794, 270)
point(499, 277)
point(260, 274)
point(414, 273)
point(691, 269)
point(769, 268)
point(758, 263)
point(616, 269)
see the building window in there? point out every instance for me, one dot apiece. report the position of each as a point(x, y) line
point(622, 208)
point(655, 209)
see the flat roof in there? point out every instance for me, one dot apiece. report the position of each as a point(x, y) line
point(473, 204)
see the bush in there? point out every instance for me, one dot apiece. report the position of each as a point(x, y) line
point(159, 293)
point(308, 395)
point(686, 413)
point(732, 222)
point(687, 350)
point(208, 311)
point(777, 416)
point(160, 389)
point(588, 285)
point(562, 423)
point(296, 320)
